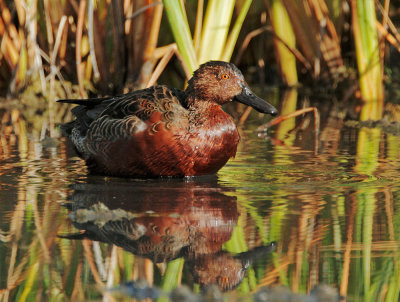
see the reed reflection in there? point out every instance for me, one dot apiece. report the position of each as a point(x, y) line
point(166, 220)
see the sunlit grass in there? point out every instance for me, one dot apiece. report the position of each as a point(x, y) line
point(214, 40)
point(284, 33)
point(368, 58)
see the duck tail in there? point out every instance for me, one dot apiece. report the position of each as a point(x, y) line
point(90, 103)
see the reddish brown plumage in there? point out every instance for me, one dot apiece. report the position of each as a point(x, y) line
point(163, 131)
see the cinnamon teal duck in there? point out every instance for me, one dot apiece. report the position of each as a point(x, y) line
point(163, 131)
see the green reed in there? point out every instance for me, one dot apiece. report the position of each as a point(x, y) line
point(214, 40)
point(368, 58)
point(284, 34)
point(180, 29)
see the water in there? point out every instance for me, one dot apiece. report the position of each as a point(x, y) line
point(331, 215)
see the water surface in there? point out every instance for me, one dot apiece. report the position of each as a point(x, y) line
point(330, 211)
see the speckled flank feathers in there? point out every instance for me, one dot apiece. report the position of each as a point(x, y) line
point(162, 131)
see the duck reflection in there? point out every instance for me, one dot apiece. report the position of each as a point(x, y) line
point(165, 220)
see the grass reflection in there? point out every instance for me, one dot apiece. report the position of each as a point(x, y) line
point(333, 225)
point(335, 217)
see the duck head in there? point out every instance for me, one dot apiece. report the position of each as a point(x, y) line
point(222, 82)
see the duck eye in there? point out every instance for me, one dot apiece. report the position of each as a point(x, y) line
point(225, 76)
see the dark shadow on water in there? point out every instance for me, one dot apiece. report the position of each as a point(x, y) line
point(163, 220)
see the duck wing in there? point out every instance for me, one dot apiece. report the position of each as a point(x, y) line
point(141, 104)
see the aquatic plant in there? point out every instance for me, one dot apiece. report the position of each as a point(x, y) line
point(214, 37)
point(115, 43)
point(368, 58)
point(284, 34)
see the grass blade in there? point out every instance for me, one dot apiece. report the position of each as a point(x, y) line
point(181, 32)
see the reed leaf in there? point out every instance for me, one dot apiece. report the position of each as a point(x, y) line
point(181, 32)
point(215, 29)
point(316, 36)
point(284, 31)
point(213, 39)
point(234, 34)
point(368, 59)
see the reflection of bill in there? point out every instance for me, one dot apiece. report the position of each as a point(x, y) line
point(178, 219)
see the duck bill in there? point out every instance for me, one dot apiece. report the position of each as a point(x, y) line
point(248, 97)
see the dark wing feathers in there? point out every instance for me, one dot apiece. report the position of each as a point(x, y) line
point(140, 103)
point(84, 120)
point(87, 111)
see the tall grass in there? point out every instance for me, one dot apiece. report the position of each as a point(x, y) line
point(115, 43)
point(284, 33)
point(214, 38)
point(320, 29)
point(317, 38)
point(368, 58)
